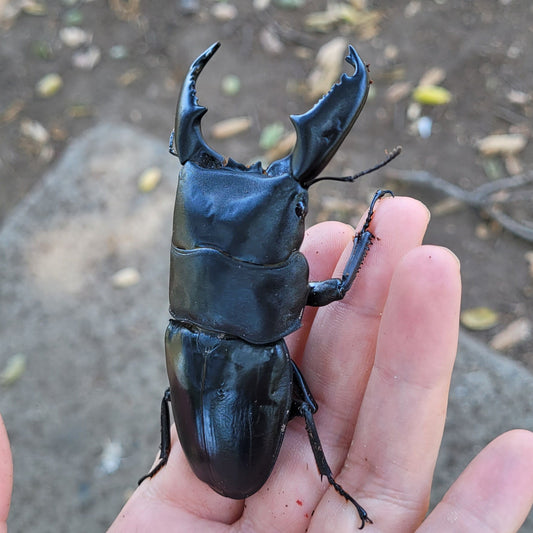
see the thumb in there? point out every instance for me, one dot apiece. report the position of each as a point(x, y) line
point(6, 477)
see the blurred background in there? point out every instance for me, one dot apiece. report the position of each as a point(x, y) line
point(87, 99)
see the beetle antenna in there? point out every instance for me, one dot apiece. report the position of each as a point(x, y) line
point(395, 153)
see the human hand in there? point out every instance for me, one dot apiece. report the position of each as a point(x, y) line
point(6, 477)
point(379, 364)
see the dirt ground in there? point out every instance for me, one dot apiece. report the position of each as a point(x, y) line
point(146, 47)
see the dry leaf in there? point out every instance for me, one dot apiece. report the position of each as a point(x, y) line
point(398, 91)
point(516, 332)
point(131, 75)
point(433, 76)
point(35, 131)
point(513, 165)
point(230, 127)
point(13, 109)
point(36, 9)
point(125, 277)
point(328, 67)
point(224, 12)
point(518, 97)
point(271, 42)
point(73, 36)
point(447, 206)
point(87, 59)
point(125, 9)
point(507, 144)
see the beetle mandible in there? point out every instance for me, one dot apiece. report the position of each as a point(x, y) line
point(238, 286)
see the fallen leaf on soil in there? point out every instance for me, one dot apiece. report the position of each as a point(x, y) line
point(230, 127)
point(432, 77)
point(447, 206)
point(261, 5)
point(513, 165)
point(34, 130)
point(271, 42)
point(518, 97)
point(492, 168)
point(510, 143)
point(73, 36)
point(149, 179)
point(131, 75)
point(224, 12)
point(365, 22)
point(414, 110)
point(431, 95)
point(49, 85)
point(39, 136)
point(79, 111)
point(125, 9)
point(517, 331)
point(125, 277)
point(13, 370)
point(87, 59)
point(13, 109)
point(289, 4)
point(271, 135)
point(328, 67)
point(73, 17)
point(398, 91)
point(479, 318)
point(37, 9)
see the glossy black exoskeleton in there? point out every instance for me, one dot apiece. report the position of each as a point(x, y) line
point(238, 286)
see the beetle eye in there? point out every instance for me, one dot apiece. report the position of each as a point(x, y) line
point(301, 209)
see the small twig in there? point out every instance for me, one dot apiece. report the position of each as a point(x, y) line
point(481, 197)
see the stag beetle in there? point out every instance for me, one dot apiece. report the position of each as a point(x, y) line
point(238, 286)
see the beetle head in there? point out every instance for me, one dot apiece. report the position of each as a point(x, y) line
point(320, 131)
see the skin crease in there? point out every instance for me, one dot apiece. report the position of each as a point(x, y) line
point(379, 365)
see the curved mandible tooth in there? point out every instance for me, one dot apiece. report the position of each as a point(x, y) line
point(190, 144)
point(321, 130)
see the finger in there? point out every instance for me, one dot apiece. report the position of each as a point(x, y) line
point(495, 492)
point(6, 476)
point(340, 344)
point(323, 245)
point(176, 496)
point(402, 417)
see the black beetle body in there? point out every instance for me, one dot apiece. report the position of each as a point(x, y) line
point(238, 286)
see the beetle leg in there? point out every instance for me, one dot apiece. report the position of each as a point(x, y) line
point(301, 393)
point(327, 291)
point(304, 405)
point(165, 437)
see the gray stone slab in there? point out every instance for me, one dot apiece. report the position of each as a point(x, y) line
point(95, 369)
